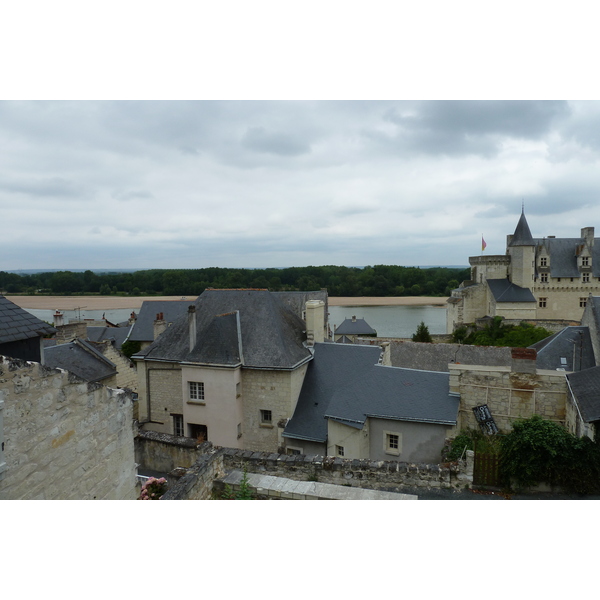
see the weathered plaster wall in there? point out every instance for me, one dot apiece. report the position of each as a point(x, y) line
point(64, 438)
point(509, 395)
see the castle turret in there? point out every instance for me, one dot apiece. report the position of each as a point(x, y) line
point(521, 249)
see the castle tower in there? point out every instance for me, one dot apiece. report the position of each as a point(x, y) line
point(521, 248)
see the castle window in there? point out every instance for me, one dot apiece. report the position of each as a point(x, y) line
point(544, 277)
point(543, 262)
point(585, 278)
point(266, 417)
point(585, 261)
point(542, 302)
point(582, 302)
point(196, 391)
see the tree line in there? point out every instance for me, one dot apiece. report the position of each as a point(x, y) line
point(378, 280)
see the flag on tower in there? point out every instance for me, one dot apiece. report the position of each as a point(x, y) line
point(483, 244)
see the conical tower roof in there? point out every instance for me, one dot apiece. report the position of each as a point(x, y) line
point(522, 235)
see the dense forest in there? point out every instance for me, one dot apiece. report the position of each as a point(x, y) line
point(378, 280)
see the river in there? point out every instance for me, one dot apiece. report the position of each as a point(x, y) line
point(388, 321)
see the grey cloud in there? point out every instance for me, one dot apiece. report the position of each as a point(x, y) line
point(259, 139)
point(132, 195)
point(50, 186)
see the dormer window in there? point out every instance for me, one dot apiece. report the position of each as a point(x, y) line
point(544, 278)
point(585, 261)
point(543, 262)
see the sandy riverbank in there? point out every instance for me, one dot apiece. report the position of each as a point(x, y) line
point(135, 302)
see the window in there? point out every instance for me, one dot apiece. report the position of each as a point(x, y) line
point(542, 302)
point(544, 277)
point(585, 278)
point(339, 450)
point(582, 302)
point(196, 391)
point(585, 261)
point(239, 430)
point(266, 417)
point(291, 450)
point(543, 262)
point(238, 389)
point(392, 442)
point(178, 429)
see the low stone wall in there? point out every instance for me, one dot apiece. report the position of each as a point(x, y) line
point(196, 483)
point(163, 452)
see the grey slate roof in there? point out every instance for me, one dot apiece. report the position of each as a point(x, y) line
point(522, 235)
point(504, 290)
point(563, 255)
point(586, 390)
point(356, 327)
point(569, 349)
point(345, 383)
point(81, 359)
point(266, 334)
point(17, 324)
point(143, 329)
point(296, 301)
point(115, 334)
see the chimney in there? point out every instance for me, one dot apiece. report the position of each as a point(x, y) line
point(159, 325)
point(315, 322)
point(192, 325)
point(587, 233)
point(523, 360)
point(354, 318)
point(386, 359)
point(58, 319)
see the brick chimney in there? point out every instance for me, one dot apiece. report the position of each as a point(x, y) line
point(523, 360)
point(192, 325)
point(159, 325)
point(315, 322)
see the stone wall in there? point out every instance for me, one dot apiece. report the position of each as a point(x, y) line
point(64, 438)
point(392, 476)
point(509, 395)
point(126, 369)
point(67, 333)
point(163, 452)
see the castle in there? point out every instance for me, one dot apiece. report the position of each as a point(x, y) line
point(542, 279)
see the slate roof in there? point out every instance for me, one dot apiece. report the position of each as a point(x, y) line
point(17, 324)
point(115, 334)
point(143, 329)
point(260, 333)
point(296, 301)
point(522, 235)
point(570, 349)
point(346, 383)
point(586, 390)
point(80, 358)
point(355, 327)
point(504, 290)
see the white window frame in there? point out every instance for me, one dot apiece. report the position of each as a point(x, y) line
point(339, 450)
point(389, 448)
point(294, 450)
point(544, 278)
point(582, 302)
point(196, 392)
point(542, 302)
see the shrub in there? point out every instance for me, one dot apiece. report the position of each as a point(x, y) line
point(153, 489)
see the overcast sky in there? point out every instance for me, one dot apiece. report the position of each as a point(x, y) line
point(161, 184)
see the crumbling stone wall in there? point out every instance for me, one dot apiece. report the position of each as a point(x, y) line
point(126, 369)
point(393, 476)
point(163, 452)
point(64, 438)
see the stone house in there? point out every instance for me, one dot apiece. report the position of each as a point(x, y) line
point(354, 405)
point(21, 334)
point(543, 279)
point(351, 329)
point(230, 369)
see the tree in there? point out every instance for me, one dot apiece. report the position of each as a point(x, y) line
point(422, 334)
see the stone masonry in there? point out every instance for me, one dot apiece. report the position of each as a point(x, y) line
point(64, 438)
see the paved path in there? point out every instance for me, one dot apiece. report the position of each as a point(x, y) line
point(290, 489)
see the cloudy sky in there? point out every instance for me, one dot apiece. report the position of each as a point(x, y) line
point(167, 184)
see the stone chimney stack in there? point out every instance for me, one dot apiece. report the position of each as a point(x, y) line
point(354, 318)
point(587, 233)
point(58, 319)
point(386, 358)
point(315, 322)
point(192, 326)
point(159, 325)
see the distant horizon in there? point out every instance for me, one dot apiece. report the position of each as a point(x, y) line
point(35, 271)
